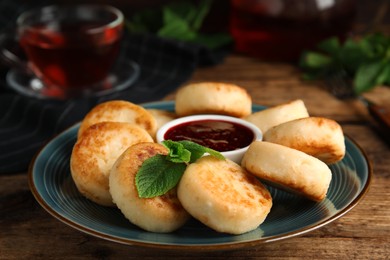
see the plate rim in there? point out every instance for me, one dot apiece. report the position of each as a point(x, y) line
point(198, 247)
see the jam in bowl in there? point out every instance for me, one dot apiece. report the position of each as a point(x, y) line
point(229, 135)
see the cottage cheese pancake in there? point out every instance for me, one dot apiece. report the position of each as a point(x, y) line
point(158, 214)
point(223, 196)
point(288, 169)
point(120, 111)
point(320, 137)
point(95, 152)
point(267, 118)
point(213, 98)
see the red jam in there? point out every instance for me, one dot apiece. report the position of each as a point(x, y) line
point(215, 134)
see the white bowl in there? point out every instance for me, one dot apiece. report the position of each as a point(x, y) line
point(234, 155)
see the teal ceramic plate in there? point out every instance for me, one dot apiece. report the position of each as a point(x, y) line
point(53, 187)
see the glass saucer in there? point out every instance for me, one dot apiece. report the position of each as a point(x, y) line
point(122, 76)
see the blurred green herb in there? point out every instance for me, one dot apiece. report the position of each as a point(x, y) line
point(180, 20)
point(365, 60)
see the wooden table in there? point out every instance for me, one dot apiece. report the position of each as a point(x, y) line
point(28, 232)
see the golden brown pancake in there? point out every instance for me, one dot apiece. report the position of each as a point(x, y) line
point(120, 111)
point(223, 196)
point(289, 169)
point(159, 214)
point(213, 98)
point(272, 116)
point(96, 151)
point(320, 137)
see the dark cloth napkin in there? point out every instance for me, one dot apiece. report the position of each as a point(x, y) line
point(26, 123)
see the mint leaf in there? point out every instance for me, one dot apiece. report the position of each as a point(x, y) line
point(384, 76)
point(331, 46)
point(315, 60)
point(157, 176)
point(160, 173)
point(366, 76)
point(366, 60)
point(198, 150)
point(352, 55)
point(180, 20)
point(202, 11)
point(175, 26)
point(177, 152)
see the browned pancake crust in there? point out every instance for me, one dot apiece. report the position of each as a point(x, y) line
point(223, 196)
point(272, 116)
point(213, 98)
point(288, 169)
point(120, 111)
point(159, 214)
point(320, 137)
point(96, 151)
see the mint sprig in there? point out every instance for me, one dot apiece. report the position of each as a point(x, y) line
point(180, 20)
point(177, 152)
point(365, 60)
point(160, 173)
point(198, 150)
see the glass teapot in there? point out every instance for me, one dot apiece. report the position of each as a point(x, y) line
point(281, 29)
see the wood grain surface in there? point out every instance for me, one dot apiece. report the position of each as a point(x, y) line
point(29, 232)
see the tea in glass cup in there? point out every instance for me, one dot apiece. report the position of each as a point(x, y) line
point(71, 48)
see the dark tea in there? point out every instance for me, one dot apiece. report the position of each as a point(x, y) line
point(72, 55)
point(280, 30)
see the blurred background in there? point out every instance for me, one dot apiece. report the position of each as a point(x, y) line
point(298, 24)
point(220, 9)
